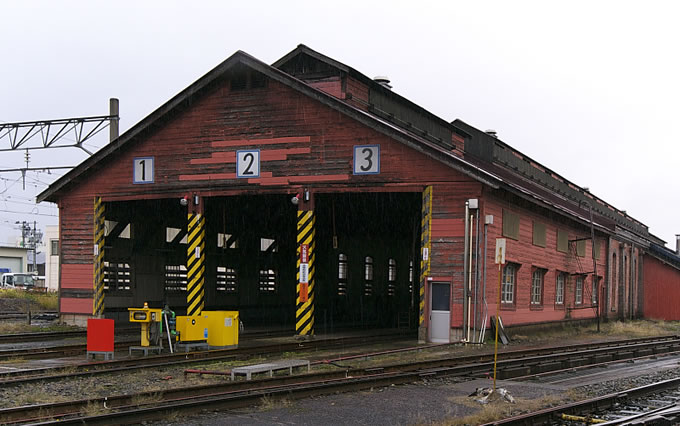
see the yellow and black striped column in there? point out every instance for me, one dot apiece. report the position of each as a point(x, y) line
point(304, 312)
point(425, 248)
point(99, 234)
point(195, 263)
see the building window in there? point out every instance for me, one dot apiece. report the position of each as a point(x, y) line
point(581, 248)
point(508, 285)
point(175, 235)
point(562, 241)
point(510, 225)
point(368, 276)
point(578, 298)
point(54, 247)
point(391, 277)
point(175, 278)
point(268, 280)
point(597, 249)
point(342, 274)
point(226, 279)
point(116, 276)
point(539, 234)
point(595, 293)
point(559, 288)
point(227, 241)
point(268, 245)
point(537, 286)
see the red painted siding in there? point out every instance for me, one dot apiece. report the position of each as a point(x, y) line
point(77, 276)
point(662, 290)
point(69, 305)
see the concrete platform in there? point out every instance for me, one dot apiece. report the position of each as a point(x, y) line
point(269, 367)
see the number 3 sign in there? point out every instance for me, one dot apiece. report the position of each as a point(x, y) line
point(366, 159)
point(248, 164)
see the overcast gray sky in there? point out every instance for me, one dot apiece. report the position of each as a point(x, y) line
point(588, 88)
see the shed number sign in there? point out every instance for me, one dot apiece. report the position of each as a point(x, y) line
point(366, 159)
point(142, 170)
point(248, 163)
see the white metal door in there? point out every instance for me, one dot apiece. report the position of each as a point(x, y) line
point(440, 312)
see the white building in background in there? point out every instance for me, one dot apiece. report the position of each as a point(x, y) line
point(13, 258)
point(51, 241)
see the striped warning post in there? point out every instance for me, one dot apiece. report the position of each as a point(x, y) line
point(195, 263)
point(99, 234)
point(304, 312)
point(425, 247)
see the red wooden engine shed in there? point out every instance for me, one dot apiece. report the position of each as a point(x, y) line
point(308, 196)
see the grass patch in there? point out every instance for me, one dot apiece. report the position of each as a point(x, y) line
point(22, 327)
point(500, 409)
point(44, 301)
point(269, 403)
point(640, 328)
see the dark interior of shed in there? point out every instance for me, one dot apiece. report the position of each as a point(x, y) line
point(365, 248)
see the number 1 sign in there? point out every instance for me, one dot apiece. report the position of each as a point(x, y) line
point(142, 170)
point(248, 164)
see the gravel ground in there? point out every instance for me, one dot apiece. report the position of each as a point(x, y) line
point(439, 401)
point(423, 402)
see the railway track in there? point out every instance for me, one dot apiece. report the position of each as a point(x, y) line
point(656, 403)
point(182, 358)
point(126, 408)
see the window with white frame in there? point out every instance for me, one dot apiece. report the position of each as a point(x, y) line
point(226, 279)
point(391, 277)
point(578, 298)
point(368, 276)
point(593, 296)
point(559, 288)
point(342, 274)
point(537, 286)
point(508, 284)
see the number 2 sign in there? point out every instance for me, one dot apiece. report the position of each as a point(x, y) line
point(366, 159)
point(248, 164)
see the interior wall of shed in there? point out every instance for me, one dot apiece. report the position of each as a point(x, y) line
point(250, 249)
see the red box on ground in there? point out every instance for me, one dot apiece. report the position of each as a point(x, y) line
point(99, 335)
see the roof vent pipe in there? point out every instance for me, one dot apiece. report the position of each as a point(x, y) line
point(383, 80)
point(492, 133)
point(677, 244)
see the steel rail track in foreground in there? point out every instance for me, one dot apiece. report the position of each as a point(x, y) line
point(62, 351)
point(605, 402)
point(58, 335)
point(650, 346)
point(181, 358)
point(412, 370)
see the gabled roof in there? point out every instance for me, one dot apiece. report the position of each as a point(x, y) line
point(147, 124)
point(372, 84)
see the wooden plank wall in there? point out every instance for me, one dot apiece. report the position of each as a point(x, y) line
point(662, 290)
point(302, 143)
point(529, 256)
